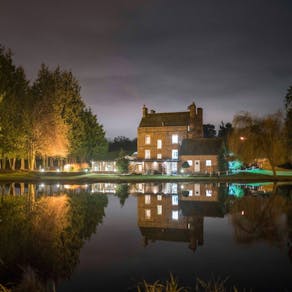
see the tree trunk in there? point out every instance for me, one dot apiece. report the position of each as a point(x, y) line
point(273, 169)
point(30, 197)
point(13, 163)
point(12, 189)
point(22, 189)
point(9, 163)
point(274, 188)
point(31, 162)
point(22, 164)
point(51, 162)
point(46, 162)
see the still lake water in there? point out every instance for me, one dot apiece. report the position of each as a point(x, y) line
point(110, 237)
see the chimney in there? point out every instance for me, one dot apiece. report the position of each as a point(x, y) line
point(192, 124)
point(192, 109)
point(144, 111)
point(200, 114)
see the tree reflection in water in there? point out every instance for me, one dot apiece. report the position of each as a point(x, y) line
point(43, 228)
point(266, 218)
point(45, 234)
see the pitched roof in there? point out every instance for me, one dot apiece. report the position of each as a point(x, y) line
point(202, 146)
point(202, 208)
point(168, 234)
point(165, 119)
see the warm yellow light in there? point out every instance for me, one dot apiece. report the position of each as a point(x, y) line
point(67, 167)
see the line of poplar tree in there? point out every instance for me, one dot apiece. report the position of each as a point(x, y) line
point(46, 120)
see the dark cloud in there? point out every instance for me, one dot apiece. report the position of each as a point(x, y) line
point(226, 55)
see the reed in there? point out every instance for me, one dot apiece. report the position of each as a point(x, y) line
point(172, 285)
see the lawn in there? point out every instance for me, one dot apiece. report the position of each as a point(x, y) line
point(81, 177)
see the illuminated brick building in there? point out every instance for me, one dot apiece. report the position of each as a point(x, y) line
point(160, 136)
point(166, 140)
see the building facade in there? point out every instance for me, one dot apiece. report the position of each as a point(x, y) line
point(160, 137)
point(201, 155)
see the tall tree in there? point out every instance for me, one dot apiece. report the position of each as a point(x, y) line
point(288, 107)
point(90, 141)
point(48, 135)
point(224, 130)
point(254, 138)
point(123, 143)
point(209, 131)
point(49, 119)
point(13, 93)
point(64, 125)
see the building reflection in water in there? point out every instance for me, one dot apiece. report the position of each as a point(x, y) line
point(175, 212)
point(105, 188)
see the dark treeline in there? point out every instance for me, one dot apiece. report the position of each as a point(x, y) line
point(122, 143)
point(209, 130)
point(46, 121)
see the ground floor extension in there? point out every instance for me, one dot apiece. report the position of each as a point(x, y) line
point(195, 164)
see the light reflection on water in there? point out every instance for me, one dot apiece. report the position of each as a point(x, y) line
point(107, 236)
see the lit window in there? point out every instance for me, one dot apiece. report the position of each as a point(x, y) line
point(159, 144)
point(147, 199)
point(155, 189)
point(159, 209)
point(140, 188)
point(147, 139)
point(190, 162)
point(147, 154)
point(174, 139)
point(148, 214)
point(208, 162)
point(208, 193)
point(190, 193)
point(159, 156)
point(175, 215)
point(174, 200)
point(174, 154)
point(174, 188)
point(159, 197)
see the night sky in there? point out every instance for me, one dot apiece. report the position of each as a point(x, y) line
point(225, 55)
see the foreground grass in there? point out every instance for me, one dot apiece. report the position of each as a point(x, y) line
point(81, 177)
point(172, 285)
point(30, 282)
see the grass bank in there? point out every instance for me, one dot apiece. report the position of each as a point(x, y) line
point(81, 177)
